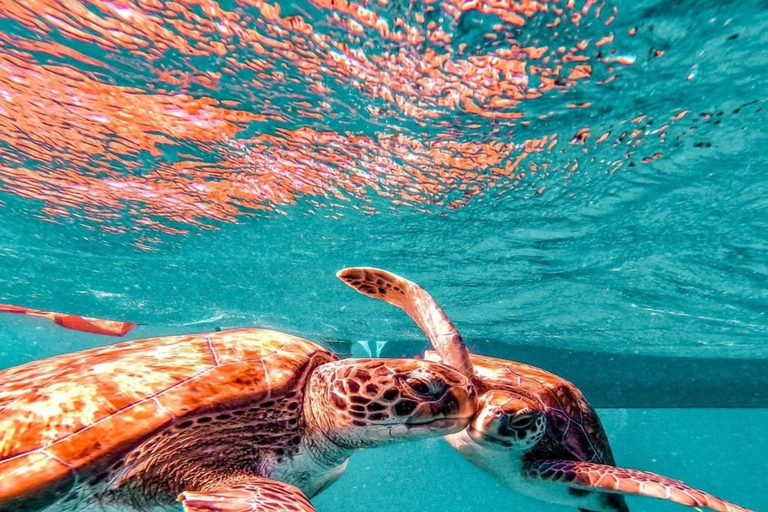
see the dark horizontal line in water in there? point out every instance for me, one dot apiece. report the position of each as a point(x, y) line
point(635, 381)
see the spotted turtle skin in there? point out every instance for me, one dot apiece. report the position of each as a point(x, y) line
point(77, 420)
point(532, 429)
point(574, 430)
point(249, 420)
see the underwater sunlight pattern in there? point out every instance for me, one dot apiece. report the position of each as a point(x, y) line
point(187, 112)
point(579, 183)
point(544, 151)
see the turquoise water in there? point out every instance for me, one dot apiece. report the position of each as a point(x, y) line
point(636, 265)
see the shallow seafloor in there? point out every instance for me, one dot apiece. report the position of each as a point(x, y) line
point(581, 186)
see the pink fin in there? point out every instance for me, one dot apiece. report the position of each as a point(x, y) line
point(419, 305)
point(257, 494)
point(587, 475)
point(93, 325)
point(10, 308)
point(75, 322)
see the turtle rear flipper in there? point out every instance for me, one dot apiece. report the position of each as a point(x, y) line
point(611, 479)
point(257, 494)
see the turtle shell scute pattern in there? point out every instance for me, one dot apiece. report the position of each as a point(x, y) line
point(63, 415)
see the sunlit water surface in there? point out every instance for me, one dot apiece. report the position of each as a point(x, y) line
point(580, 184)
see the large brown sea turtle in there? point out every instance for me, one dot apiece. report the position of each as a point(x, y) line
point(241, 420)
point(532, 429)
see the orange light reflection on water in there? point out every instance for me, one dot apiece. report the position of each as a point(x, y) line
point(92, 144)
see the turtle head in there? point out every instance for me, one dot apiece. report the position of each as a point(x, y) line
point(507, 420)
point(366, 402)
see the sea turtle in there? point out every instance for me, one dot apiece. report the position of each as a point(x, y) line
point(240, 420)
point(533, 430)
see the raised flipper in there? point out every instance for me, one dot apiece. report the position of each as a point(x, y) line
point(419, 305)
point(590, 476)
point(257, 494)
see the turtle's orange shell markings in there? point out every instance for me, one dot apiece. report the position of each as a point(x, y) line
point(60, 415)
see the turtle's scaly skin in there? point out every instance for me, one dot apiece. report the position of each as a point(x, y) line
point(231, 413)
point(601, 476)
point(532, 429)
point(573, 426)
point(79, 414)
point(572, 451)
point(247, 497)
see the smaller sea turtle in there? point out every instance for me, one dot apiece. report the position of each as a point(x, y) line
point(532, 429)
point(246, 420)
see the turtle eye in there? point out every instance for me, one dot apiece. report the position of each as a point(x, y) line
point(427, 387)
point(419, 386)
point(523, 421)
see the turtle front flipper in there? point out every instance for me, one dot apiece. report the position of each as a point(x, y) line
point(419, 305)
point(589, 476)
point(257, 494)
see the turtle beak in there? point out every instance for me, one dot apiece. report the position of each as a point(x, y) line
point(491, 426)
point(448, 413)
